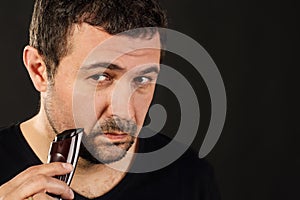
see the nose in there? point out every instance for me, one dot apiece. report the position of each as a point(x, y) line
point(120, 101)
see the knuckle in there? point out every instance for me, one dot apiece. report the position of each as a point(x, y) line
point(41, 196)
point(55, 166)
point(41, 179)
point(66, 189)
point(32, 169)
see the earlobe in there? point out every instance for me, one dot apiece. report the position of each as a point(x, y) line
point(36, 68)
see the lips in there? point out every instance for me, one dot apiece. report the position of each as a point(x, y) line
point(116, 136)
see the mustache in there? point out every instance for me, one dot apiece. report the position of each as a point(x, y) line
point(116, 124)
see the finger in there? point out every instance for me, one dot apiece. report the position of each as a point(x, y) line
point(42, 196)
point(50, 169)
point(43, 184)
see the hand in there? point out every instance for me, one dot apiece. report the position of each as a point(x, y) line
point(35, 181)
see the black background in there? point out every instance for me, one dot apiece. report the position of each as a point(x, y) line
point(255, 46)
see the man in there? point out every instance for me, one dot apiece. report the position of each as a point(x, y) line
point(90, 76)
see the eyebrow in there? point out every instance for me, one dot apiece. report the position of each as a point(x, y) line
point(150, 70)
point(112, 66)
point(106, 65)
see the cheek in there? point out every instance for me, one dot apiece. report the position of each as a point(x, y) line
point(83, 110)
point(59, 109)
point(63, 97)
point(61, 101)
point(88, 105)
point(141, 105)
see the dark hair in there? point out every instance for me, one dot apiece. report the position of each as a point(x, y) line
point(52, 22)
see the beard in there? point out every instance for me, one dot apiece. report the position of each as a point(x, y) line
point(96, 148)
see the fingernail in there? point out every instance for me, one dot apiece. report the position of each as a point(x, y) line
point(71, 193)
point(67, 166)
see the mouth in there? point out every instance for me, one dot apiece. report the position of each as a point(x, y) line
point(115, 136)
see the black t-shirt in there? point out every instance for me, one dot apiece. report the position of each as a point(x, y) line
point(188, 178)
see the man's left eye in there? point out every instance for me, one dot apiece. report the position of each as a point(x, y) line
point(142, 80)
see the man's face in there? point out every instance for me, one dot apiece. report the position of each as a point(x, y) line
point(105, 89)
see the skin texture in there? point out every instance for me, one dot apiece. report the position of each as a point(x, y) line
point(34, 181)
point(91, 98)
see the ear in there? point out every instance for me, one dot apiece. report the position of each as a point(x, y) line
point(36, 68)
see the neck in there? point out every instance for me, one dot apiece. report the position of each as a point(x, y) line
point(94, 180)
point(90, 180)
point(39, 134)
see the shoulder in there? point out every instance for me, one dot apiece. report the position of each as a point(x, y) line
point(7, 131)
point(187, 159)
point(9, 135)
point(187, 174)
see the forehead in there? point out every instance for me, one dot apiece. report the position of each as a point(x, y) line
point(92, 44)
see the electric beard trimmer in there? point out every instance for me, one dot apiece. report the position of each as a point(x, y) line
point(65, 148)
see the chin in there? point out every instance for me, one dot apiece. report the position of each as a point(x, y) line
point(105, 154)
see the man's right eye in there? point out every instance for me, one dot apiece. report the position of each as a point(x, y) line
point(100, 78)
